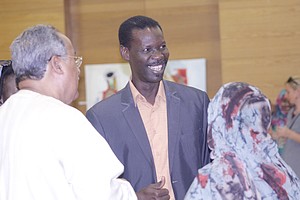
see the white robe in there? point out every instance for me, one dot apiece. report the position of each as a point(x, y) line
point(49, 151)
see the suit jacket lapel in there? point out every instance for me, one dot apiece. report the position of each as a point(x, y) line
point(173, 113)
point(134, 120)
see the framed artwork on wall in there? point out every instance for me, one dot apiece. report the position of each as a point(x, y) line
point(104, 80)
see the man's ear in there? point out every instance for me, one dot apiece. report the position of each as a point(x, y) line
point(124, 51)
point(55, 64)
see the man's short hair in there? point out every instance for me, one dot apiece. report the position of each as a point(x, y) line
point(32, 50)
point(136, 22)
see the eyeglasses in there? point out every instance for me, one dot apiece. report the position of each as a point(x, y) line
point(292, 80)
point(3, 64)
point(77, 59)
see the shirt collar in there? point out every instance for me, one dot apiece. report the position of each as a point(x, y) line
point(161, 95)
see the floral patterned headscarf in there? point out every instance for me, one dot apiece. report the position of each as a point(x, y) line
point(246, 163)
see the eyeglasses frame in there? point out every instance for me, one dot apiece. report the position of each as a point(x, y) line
point(5, 63)
point(292, 80)
point(77, 59)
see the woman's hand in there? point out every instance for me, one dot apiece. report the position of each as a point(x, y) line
point(283, 132)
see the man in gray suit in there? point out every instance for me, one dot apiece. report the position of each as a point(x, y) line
point(157, 128)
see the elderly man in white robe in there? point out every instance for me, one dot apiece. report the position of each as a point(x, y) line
point(48, 149)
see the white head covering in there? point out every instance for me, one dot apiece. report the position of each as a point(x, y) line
point(246, 163)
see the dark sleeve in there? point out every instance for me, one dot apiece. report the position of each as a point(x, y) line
point(205, 150)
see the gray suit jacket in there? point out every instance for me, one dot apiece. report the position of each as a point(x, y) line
point(119, 122)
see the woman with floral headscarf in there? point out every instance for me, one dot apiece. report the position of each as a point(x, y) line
point(246, 163)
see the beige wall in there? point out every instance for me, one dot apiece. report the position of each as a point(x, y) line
point(16, 15)
point(256, 41)
point(260, 42)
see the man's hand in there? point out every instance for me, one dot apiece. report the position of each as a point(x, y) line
point(154, 191)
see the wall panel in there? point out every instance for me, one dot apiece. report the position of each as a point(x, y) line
point(191, 30)
point(16, 15)
point(260, 42)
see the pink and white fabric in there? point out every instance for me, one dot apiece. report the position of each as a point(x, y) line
point(246, 163)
